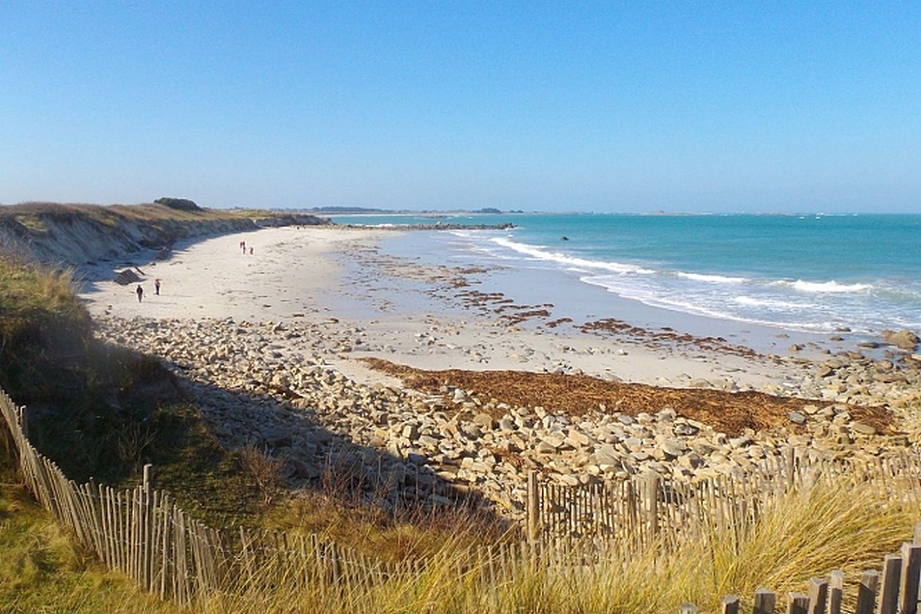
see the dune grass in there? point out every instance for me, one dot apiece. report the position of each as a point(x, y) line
point(31, 292)
point(42, 570)
point(805, 534)
point(42, 324)
point(31, 215)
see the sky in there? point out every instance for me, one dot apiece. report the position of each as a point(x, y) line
point(613, 106)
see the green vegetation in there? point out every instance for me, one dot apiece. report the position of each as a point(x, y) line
point(182, 204)
point(100, 411)
point(41, 570)
point(43, 331)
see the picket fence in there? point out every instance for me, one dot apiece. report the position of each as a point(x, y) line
point(143, 534)
point(649, 510)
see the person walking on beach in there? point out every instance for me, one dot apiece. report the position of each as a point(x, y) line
point(140, 292)
point(157, 286)
point(243, 246)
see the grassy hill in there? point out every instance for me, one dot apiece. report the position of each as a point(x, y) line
point(75, 234)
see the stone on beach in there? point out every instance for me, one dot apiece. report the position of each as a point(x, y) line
point(902, 339)
point(308, 413)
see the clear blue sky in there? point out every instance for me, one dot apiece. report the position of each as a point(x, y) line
point(589, 106)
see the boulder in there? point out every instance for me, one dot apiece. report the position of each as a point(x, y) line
point(902, 339)
point(123, 278)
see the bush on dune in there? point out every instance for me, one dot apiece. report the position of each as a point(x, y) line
point(181, 204)
point(84, 398)
point(44, 330)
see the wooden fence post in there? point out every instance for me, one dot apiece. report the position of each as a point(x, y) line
point(866, 592)
point(729, 605)
point(797, 603)
point(147, 549)
point(534, 507)
point(835, 592)
point(23, 422)
point(889, 592)
point(910, 577)
point(789, 456)
point(818, 596)
point(765, 601)
point(652, 502)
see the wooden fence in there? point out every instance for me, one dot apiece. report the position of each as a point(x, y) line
point(894, 591)
point(648, 509)
point(142, 533)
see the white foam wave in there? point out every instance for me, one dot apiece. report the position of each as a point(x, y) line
point(830, 287)
point(698, 307)
point(570, 261)
point(749, 301)
point(713, 279)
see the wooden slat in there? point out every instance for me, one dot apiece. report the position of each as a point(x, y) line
point(797, 603)
point(910, 577)
point(835, 592)
point(765, 601)
point(889, 591)
point(729, 605)
point(533, 506)
point(652, 506)
point(818, 596)
point(866, 592)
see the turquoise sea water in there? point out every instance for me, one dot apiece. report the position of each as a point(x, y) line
point(806, 273)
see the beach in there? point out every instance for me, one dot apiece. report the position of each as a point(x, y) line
point(312, 344)
point(337, 277)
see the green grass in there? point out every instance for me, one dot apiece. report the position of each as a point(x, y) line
point(101, 411)
point(43, 328)
point(41, 570)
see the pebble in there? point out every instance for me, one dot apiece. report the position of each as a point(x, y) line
point(269, 384)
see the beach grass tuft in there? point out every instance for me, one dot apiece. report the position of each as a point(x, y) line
point(806, 534)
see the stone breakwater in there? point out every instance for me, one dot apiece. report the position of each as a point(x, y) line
point(270, 385)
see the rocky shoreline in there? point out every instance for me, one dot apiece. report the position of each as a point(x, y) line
point(273, 385)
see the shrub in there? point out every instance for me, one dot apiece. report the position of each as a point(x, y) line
point(181, 204)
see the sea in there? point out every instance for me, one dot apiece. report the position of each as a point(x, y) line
point(815, 274)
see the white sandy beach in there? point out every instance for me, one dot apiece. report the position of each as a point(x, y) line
point(333, 276)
